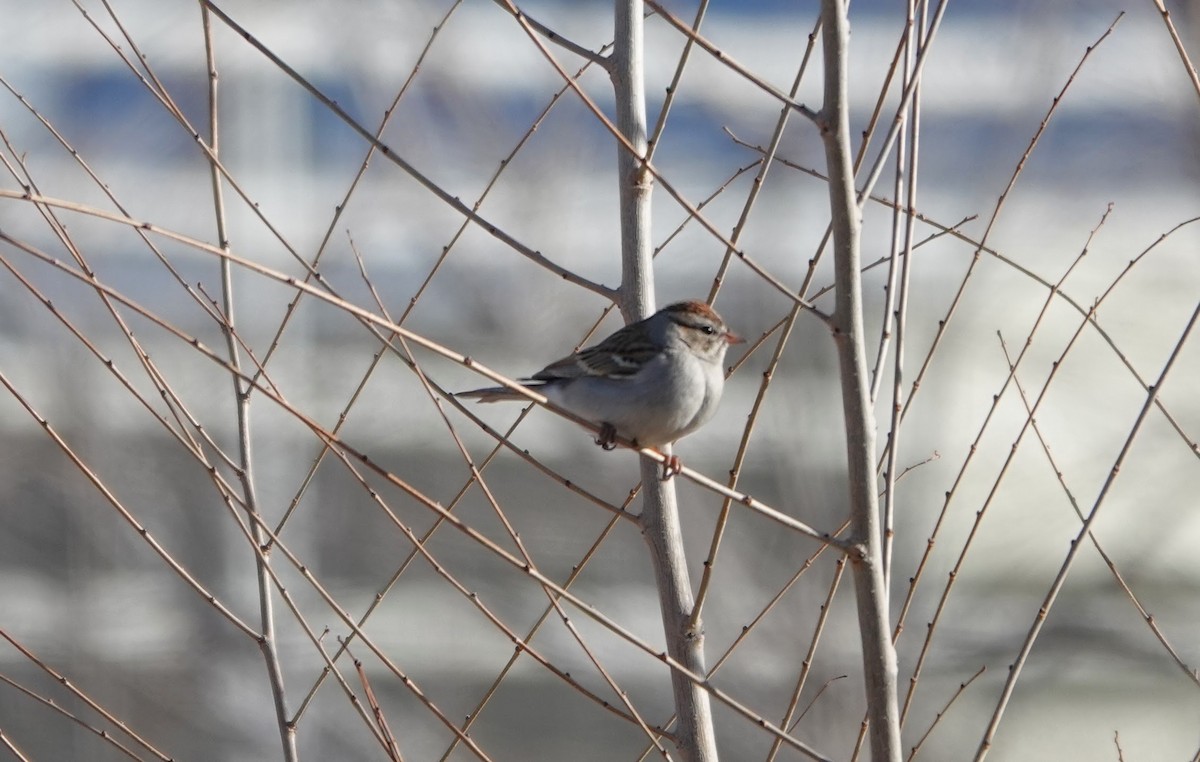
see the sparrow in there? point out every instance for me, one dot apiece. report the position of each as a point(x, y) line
point(652, 382)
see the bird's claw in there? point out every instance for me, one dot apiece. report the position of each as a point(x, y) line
point(607, 439)
point(672, 466)
point(608, 436)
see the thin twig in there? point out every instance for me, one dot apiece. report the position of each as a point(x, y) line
point(733, 65)
point(938, 718)
point(1188, 66)
point(789, 717)
point(1060, 579)
point(567, 44)
point(916, 578)
point(12, 747)
point(65, 682)
point(944, 323)
point(341, 207)
point(445, 196)
point(184, 418)
point(124, 512)
point(673, 88)
point(905, 252)
point(392, 748)
point(768, 157)
point(1119, 578)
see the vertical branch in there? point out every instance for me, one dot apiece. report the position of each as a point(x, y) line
point(660, 510)
point(879, 657)
point(634, 181)
point(914, 40)
point(241, 389)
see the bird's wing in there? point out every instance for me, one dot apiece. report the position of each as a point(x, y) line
point(621, 355)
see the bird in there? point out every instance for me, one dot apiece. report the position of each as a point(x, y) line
point(652, 382)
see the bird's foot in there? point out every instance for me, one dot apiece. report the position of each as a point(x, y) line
point(608, 436)
point(672, 466)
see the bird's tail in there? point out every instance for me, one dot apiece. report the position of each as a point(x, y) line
point(492, 394)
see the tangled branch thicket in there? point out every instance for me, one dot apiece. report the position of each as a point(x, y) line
point(248, 254)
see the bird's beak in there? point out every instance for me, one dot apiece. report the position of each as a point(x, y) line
point(733, 338)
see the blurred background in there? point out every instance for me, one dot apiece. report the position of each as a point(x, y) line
point(82, 590)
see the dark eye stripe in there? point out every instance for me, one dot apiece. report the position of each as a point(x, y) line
point(705, 327)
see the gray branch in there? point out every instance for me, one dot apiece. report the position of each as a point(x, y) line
point(879, 655)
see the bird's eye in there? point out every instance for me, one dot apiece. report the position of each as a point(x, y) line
point(708, 329)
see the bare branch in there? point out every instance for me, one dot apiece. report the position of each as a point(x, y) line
point(1041, 616)
point(871, 594)
point(728, 60)
point(1188, 66)
point(241, 396)
point(450, 200)
point(563, 42)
